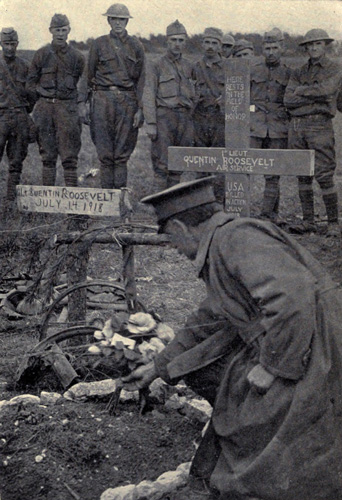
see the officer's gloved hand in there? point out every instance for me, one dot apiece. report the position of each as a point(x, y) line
point(138, 119)
point(83, 113)
point(260, 379)
point(151, 130)
point(140, 378)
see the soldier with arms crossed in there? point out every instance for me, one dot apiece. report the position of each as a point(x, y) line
point(311, 98)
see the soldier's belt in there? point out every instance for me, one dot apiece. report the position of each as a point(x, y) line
point(114, 88)
point(319, 117)
point(54, 100)
point(17, 109)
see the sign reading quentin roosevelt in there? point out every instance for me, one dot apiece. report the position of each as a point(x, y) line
point(235, 161)
point(69, 200)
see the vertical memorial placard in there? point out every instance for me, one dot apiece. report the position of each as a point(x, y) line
point(237, 132)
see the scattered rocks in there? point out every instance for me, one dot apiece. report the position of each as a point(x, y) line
point(198, 409)
point(153, 490)
point(24, 399)
point(84, 390)
point(50, 398)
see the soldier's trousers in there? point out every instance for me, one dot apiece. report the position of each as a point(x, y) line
point(59, 133)
point(174, 128)
point(270, 204)
point(14, 139)
point(111, 126)
point(316, 132)
point(210, 133)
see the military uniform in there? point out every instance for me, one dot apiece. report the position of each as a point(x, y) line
point(311, 97)
point(53, 76)
point(116, 75)
point(269, 117)
point(168, 99)
point(275, 436)
point(209, 118)
point(15, 102)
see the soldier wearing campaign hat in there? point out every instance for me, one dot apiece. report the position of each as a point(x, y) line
point(263, 348)
point(115, 82)
point(15, 104)
point(228, 43)
point(243, 49)
point(311, 98)
point(269, 117)
point(54, 73)
point(169, 98)
point(209, 111)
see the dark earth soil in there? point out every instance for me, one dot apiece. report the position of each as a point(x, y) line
point(50, 452)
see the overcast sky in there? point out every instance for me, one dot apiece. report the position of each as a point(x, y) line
point(31, 18)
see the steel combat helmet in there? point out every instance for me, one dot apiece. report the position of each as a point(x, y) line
point(118, 10)
point(316, 35)
point(228, 39)
point(273, 36)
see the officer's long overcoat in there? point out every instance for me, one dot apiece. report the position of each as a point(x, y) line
point(287, 443)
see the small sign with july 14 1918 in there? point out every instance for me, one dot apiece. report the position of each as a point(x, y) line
point(69, 200)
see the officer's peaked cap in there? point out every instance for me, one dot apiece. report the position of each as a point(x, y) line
point(59, 20)
point(181, 197)
point(176, 28)
point(8, 35)
point(316, 35)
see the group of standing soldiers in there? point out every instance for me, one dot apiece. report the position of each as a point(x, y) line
point(181, 102)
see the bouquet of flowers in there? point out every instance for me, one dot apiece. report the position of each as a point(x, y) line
point(136, 342)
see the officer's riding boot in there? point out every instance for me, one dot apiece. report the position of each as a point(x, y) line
point(49, 173)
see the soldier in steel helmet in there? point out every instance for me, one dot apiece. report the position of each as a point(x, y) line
point(15, 103)
point(209, 111)
point(116, 75)
point(228, 43)
point(243, 49)
point(311, 97)
point(269, 118)
point(169, 98)
point(53, 76)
